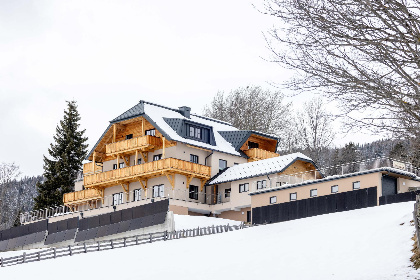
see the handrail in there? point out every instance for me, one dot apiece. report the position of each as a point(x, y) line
point(133, 143)
point(147, 168)
point(81, 195)
point(255, 153)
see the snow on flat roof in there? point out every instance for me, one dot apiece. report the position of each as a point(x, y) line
point(257, 168)
point(158, 113)
point(337, 177)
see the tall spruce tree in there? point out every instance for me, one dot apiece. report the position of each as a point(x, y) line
point(65, 160)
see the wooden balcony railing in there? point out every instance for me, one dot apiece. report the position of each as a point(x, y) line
point(147, 142)
point(259, 154)
point(81, 196)
point(92, 167)
point(148, 170)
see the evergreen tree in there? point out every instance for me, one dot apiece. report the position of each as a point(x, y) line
point(349, 157)
point(66, 156)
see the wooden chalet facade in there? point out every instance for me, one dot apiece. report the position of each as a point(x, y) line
point(152, 152)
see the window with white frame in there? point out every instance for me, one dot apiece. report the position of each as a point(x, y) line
point(259, 185)
point(278, 184)
point(122, 165)
point(114, 166)
point(264, 184)
point(138, 161)
point(273, 199)
point(159, 191)
point(137, 194)
point(293, 196)
point(243, 187)
point(334, 189)
point(227, 192)
point(356, 185)
point(151, 132)
point(195, 132)
point(117, 198)
point(314, 192)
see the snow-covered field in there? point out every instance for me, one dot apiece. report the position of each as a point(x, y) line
point(372, 243)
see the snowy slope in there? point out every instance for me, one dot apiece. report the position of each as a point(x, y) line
point(361, 244)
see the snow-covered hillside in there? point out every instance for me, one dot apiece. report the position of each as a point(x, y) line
point(372, 243)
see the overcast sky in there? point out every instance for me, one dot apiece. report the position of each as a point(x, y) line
point(108, 55)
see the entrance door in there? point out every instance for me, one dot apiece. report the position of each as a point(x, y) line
point(389, 185)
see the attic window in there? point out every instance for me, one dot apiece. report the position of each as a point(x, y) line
point(195, 132)
point(151, 132)
point(252, 145)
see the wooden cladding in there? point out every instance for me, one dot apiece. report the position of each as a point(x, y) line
point(146, 142)
point(148, 170)
point(92, 167)
point(81, 196)
point(259, 154)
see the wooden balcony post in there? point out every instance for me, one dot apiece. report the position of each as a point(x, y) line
point(142, 126)
point(118, 161)
point(93, 161)
point(114, 127)
point(136, 161)
point(163, 149)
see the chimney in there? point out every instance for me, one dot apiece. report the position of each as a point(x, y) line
point(185, 111)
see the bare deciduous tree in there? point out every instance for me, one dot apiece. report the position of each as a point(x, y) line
point(363, 53)
point(314, 129)
point(251, 108)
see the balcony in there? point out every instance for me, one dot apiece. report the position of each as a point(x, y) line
point(91, 168)
point(146, 171)
point(144, 143)
point(81, 196)
point(255, 154)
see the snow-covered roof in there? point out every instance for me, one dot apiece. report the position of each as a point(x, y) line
point(169, 122)
point(412, 176)
point(257, 168)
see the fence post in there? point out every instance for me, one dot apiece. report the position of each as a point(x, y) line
point(39, 256)
point(125, 242)
point(151, 238)
point(166, 235)
point(70, 250)
point(85, 247)
point(112, 244)
point(99, 246)
point(1, 262)
point(23, 257)
point(137, 240)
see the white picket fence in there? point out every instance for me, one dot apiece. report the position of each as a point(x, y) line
point(71, 250)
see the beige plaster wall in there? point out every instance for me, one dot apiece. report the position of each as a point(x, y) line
point(235, 215)
point(324, 188)
point(403, 184)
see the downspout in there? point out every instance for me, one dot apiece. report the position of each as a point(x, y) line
point(205, 188)
point(205, 160)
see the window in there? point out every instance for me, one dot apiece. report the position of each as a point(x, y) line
point(356, 185)
point(159, 191)
point(114, 166)
point(227, 193)
point(243, 187)
point(222, 164)
point(273, 199)
point(151, 132)
point(314, 192)
point(129, 136)
point(293, 196)
point(194, 158)
point(193, 192)
point(264, 184)
point(235, 163)
point(252, 145)
point(138, 161)
point(117, 198)
point(137, 194)
point(122, 165)
point(278, 184)
point(195, 132)
point(259, 185)
point(334, 189)
point(157, 157)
